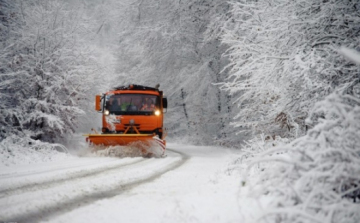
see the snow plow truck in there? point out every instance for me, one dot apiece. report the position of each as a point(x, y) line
point(132, 116)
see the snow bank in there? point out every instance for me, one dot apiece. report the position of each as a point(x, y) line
point(17, 151)
point(315, 178)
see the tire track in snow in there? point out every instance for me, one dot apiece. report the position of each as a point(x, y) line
point(64, 178)
point(49, 211)
point(13, 175)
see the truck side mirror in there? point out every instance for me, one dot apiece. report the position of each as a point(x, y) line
point(164, 102)
point(97, 102)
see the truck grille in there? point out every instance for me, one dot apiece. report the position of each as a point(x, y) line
point(136, 125)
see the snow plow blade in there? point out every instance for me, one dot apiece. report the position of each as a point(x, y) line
point(144, 143)
point(117, 139)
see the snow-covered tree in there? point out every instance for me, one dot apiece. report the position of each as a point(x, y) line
point(316, 177)
point(46, 69)
point(294, 81)
point(284, 59)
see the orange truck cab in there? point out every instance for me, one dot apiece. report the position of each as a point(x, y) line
point(129, 114)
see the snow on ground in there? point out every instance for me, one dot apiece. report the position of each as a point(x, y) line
point(16, 151)
point(197, 191)
point(191, 184)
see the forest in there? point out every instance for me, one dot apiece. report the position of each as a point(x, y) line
point(278, 80)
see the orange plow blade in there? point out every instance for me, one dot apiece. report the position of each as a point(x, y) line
point(145, 143)
point(117, 139)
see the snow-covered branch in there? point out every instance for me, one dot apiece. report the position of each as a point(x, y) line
point(284, 58)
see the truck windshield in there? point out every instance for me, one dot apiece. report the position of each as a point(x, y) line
point(132, 104)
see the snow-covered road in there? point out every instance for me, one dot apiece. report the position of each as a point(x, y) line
point(189, 185)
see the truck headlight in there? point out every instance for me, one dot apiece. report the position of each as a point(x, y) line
point(106, 112)
point(157, 112)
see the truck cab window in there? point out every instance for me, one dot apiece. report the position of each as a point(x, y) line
point(132, 104)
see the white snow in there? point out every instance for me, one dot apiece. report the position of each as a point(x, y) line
point(351, 54)
point(198, 191)
point(191, 184)
point(15, 151)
